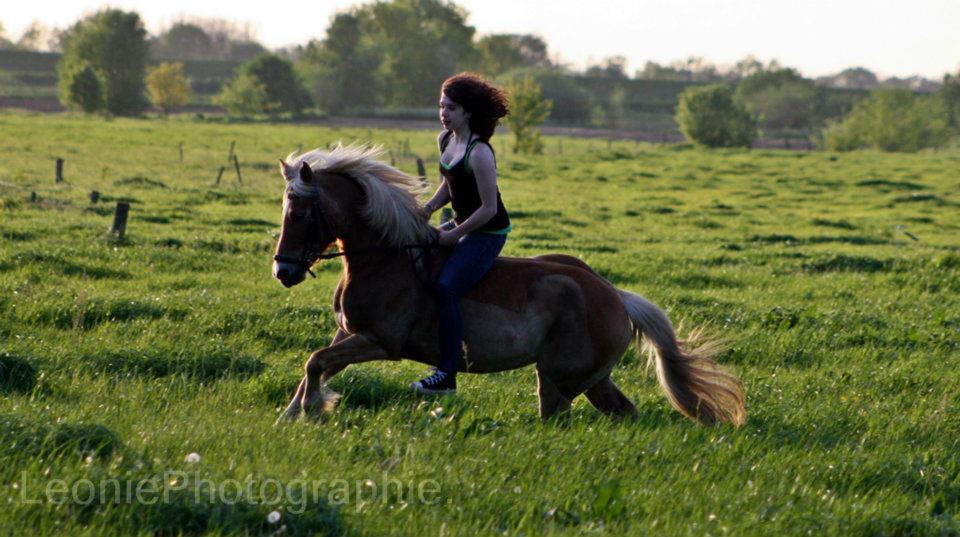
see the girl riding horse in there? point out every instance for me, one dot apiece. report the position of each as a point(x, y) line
point(469, 111)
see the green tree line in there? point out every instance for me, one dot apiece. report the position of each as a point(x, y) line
point(394, 55)
point(780, 102)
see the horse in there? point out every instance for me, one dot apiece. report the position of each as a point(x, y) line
point(553, 310)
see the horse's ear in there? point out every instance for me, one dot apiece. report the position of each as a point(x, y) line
point(306, 174)
point(285, 171)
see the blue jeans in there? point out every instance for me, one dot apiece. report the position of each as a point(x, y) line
point(472, 257)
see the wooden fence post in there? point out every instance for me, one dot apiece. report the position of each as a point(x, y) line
point(236, 165)
point(94, 196)
point(120, 219)
point(232, 145)
point(59, 170)
point(421, 169)
point(181, 152)
point(220, 174)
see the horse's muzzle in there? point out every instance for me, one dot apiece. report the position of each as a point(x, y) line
point(288, 274)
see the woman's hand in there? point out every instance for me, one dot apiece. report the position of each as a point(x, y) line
point(448, 238)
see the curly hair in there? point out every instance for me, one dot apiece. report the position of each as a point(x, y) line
point(485, 103)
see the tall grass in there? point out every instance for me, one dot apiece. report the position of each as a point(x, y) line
point(163, 358)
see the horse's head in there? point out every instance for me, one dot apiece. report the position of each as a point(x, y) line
point(305, 232)
point(352, 197)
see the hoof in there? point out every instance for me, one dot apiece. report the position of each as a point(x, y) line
point(321, 403)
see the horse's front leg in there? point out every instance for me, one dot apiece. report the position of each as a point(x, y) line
point(326, 362)
point(293, 409)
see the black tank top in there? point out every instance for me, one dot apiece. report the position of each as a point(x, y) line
point(464, 195)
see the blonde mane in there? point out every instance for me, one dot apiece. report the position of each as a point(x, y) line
point(391, 207)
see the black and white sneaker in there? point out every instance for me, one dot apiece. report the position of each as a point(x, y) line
point(439, 383)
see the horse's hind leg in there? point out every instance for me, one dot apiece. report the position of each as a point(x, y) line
point(607, 398)
point(552, 400)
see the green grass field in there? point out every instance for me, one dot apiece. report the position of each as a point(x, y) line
point(140, 378)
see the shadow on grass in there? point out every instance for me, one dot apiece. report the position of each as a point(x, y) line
point(921, 198)
point(140, 182)
point(848, 263)
point(18, 236)
point(197, 364)
point(822, 433)
point(59, 265)
point(87, 314)
point(23, 438)
point(357, 388)
point(886, 185)
point(697, 280)
point(17, 375)
point(820, 239)
point(369, 391)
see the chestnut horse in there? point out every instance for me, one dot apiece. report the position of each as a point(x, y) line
point(553, 310)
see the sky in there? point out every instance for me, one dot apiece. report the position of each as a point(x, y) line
point(818, 37)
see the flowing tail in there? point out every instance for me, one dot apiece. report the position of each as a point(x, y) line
point(694, 383)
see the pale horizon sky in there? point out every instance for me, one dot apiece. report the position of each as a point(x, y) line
point(818, 37)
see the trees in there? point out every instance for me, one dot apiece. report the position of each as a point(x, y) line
point(527, 112)
point(86, 90)
point(168, 87)
point(780, 99)
point(421, 42)
point(500, 53)
point(266, 84)
point(394, 52)
point(950, 95)
point(572, 103)
point(5, 43)
point(852, 78)
point(184, 41)
point(342, 69)
point(745, 67)
point(890, 120)
point(285, 91)
point(206, 39)
point(709, 116)
point(616, 109)
point(38, 37)
point(243, 96)
point(692, 69)
point(612, 67)
point(112, 43)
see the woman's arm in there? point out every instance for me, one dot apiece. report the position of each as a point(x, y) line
point(484, 169)
point(440, 198)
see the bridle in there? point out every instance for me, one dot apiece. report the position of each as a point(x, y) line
point(313, 251)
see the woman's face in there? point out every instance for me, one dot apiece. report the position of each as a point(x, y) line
point(452, 115)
